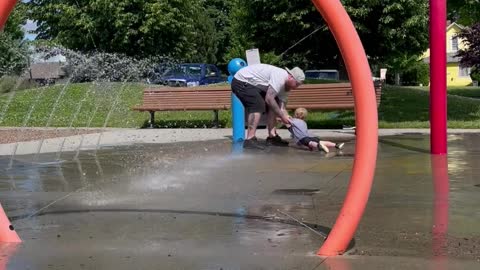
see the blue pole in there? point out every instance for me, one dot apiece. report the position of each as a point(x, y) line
point(238, 111)
point(238, 119)
point(237, 147)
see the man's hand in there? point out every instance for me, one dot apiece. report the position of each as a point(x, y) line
point(286, 120)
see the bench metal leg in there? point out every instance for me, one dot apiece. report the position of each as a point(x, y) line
point(215, 119)
point(152, 119)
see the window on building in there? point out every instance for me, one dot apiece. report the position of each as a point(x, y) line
point(454, 44)
point(464, 71)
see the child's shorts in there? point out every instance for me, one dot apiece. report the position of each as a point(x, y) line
point(306, 141)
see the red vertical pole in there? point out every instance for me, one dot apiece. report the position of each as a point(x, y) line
point(441, 188)
point(438, 77)
point(6, 7)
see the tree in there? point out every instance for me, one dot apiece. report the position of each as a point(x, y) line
point(13, 52)
point(274, 26)
point(465, 12)
point(206, 41)
point(219, 11)
point(470, 55)
point(139, 28)
point(393, 32)
point(388, 29)
point(13, 55)
point(15, 21)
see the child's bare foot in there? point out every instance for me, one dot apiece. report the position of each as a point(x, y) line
point(339, 146)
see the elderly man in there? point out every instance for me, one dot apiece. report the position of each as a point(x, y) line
point(264, 88)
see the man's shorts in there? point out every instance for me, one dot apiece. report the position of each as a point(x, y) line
point(251, 96)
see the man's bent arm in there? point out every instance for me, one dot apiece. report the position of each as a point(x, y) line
point(283, 107)
point(271, 102)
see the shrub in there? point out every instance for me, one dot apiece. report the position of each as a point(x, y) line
point(13, 55)
point(419, 73)
point(14, 83)
point(111, 67)
point(475, 75)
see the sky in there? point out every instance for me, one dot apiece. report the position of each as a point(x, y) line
point(27, 28)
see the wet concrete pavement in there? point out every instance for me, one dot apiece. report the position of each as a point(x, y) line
point(195, 205)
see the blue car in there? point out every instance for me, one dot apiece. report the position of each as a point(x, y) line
point(322, 74)
point(189, 75)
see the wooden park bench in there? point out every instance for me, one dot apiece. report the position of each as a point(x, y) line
point(336, 96)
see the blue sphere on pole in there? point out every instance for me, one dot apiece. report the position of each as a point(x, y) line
point(235, 65)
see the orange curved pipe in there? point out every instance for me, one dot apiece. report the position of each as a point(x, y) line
point(6, 252)
point(6, 6)
point(366, 120)
point(7, 233)
point(337, 263)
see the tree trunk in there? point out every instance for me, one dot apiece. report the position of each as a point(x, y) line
point(397, 78)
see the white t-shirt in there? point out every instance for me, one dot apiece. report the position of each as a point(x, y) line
point(265, 75)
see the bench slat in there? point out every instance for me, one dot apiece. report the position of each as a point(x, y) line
point(190, 108)
point(310, 96)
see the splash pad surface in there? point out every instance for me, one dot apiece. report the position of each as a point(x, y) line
point(195, 205)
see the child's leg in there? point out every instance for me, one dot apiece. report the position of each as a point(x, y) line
point(307, 142)
point(332, 144)
point(318, 145)
point(314, 143)
point(312, 146)
point(328, 143)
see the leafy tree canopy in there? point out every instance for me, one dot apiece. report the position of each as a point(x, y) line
point(133, 27)
point(15, 21)
point(470, 55)
point(389, 29)
point(465, 12)
point(13, 53)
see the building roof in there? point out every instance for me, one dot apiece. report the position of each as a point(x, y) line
point(455, 24)
point(46, 71)
point(451, 57)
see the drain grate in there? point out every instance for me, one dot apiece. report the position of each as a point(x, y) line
point(299, 191)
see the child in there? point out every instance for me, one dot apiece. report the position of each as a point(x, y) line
point(299, 131)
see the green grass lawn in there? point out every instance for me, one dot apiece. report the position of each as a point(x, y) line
point(464, 91)
point(109, 104)
point(91, 105)
point(473, 92)
point(407, 107)
point(404, 107)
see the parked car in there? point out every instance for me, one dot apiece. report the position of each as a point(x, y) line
point(322, 74)
point(190, 75)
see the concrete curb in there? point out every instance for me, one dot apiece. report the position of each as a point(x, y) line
point(112, 136)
